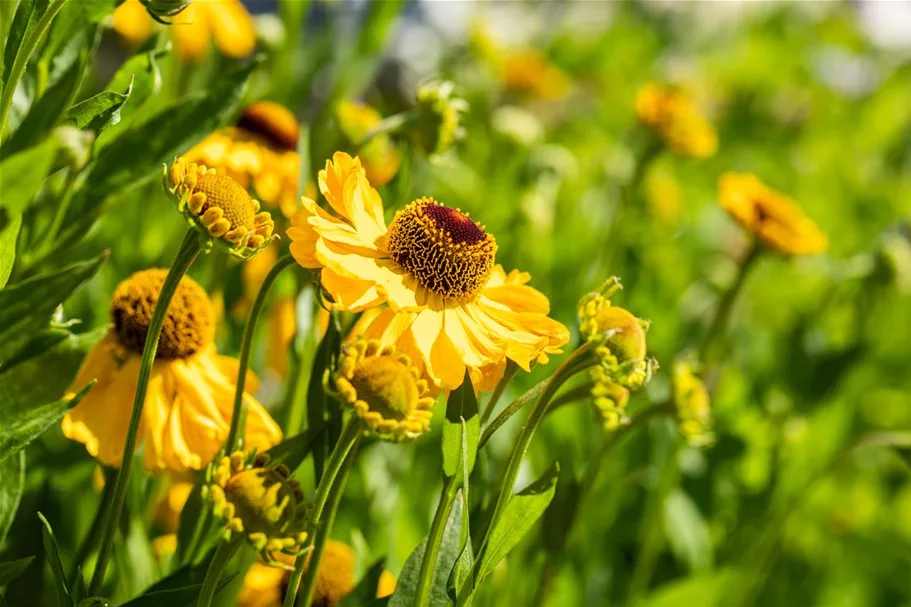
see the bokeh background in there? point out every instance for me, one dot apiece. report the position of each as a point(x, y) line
point(813, 97)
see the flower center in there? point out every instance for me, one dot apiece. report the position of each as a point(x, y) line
point(228, 195)
point(273, 122)
point(387, 386)
point(188, 327)
point(263, 500)
point(444, 249)
point(627, 337)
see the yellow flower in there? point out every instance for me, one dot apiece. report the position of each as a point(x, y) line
point(773, 217)
point(191, 391)
point(384, 389)
point(610, 400)
point(381, 159)
point(694, 411)
point(260, 501)
point(450, 306)
point(167, 513)
point(619, 342)
point(226, 22)
point(531, 72)
point(259, 152)
point(265, 586)
point(672, 115)
point(219, 207)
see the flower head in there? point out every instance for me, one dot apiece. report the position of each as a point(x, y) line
point(259, 500)
point(259, 152)
point(385, 390)
point(191, 391)
point(694, 410)
point(532, 72)
point(380, 156)
point(439, 116)
point(619, 342)
point(672, 115)
point(219, 207)
point(450, 306)
point(773, 217)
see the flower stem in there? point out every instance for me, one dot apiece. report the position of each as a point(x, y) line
point(390, 124)
point(349, 438)
point(566, 370)
point(187, 253)
point(236, 433)
point(222, 555)
point(25, 52)
point(322, 534)
point(91, 537)
point(434, 540)
point(727, 302)
point(508, 374)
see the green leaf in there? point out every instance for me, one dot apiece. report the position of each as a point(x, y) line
point(708, 590)
point(365, 591)
point(53, 560)
point(196, 528)
point(143, 72)
point(318, 402)
point(27, 306)
point(687, 532)
point(12, 471)
point(462, 568)
point(135, 157)
point(462, 405)
point(176, 597)
point(406, 588)
point(23, 174)
point(98, 112)
point(520, 514)
point(24, 25)
point(9, 234)
point(187, 578)
point(25, 425)
point(67, 74)
point(10, 570)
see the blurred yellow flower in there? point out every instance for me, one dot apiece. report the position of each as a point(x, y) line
point(664, 196)
point(220, 208)
point(450, 306)
point(380, 157)
point(265, 586)
point(531, 72)
point(694, 412)
point(226, 22)
point(191, 392)
point(672, 115)
point(773, 217)
point(384, 389)
point(259, 152)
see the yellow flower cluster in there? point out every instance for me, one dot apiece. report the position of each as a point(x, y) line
point(672, 115)
point(773, 217)
point(692, 401)
point(618, 339)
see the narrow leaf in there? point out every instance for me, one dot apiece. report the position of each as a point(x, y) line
point(176, 597)
point(293, 451)
point(27, 306)
point(25, 22)
point(687, 532)
point(22, 175)
point(12, 471)
point(100, 111)
point(9, 234)
point(24, 426)
point(365, 591)
point(406, 588)
point(317, 401)
point(10, 570)
point(519, 515)
point(53, 560)
point(462, 404)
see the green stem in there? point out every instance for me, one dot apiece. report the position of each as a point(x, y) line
point(92, 536)
point(322, 534)
point(727, 302)
point(187, 253)
point(21, 61)
point(567, 369)
point(346, 442)
point(59, 215)
point(387, 125)
point(434, 540)
point(236, 433)
point(222, 555)
point(571, 367)
point(508, 374)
